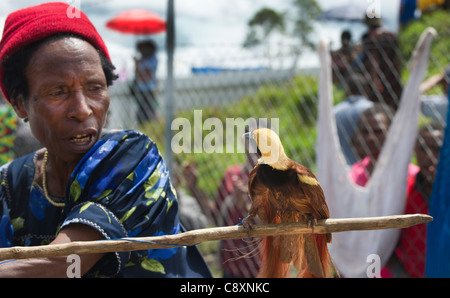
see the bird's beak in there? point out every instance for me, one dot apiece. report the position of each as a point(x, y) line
point(248, 140)
point(250, 143)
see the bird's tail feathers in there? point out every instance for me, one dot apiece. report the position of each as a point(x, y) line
point(314, 259)
point(271, 266)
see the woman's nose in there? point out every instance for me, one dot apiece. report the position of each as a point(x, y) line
point(79, 108)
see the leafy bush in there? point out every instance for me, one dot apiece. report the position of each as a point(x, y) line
point(408, 37)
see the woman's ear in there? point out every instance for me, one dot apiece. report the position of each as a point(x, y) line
point(19, 107)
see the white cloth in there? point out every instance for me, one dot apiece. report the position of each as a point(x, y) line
point(385, 192)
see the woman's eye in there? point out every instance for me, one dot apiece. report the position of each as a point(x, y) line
point(58, 93)
point(95, 88)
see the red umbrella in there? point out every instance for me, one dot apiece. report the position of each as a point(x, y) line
point(137, 21)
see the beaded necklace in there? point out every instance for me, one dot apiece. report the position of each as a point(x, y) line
point(44, 182)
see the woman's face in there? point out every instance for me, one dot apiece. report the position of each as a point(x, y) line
point(68, 97)
point(370, 136)
point(427, 152)
point(375, 133)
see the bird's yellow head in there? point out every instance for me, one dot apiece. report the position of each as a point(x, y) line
point(270, 148)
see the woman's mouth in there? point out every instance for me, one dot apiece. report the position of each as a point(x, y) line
point(81, 139)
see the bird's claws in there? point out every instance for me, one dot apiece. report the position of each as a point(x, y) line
point(248, 226)
point(312, 221)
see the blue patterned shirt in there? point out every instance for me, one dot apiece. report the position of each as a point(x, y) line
point(121, 188)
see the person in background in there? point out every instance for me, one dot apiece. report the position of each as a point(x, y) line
point(347, 113)
point(410, 253)
point(368, 140)
point(145, 81)
point(344, 58)
point(381, 64)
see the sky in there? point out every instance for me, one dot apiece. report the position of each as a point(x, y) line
point(199, 23)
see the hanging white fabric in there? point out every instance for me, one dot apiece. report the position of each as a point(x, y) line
point(385, 192)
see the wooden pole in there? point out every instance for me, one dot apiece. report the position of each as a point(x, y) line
point(197, 236)
point(169, 102)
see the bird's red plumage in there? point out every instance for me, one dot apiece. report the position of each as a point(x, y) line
point(281, 197)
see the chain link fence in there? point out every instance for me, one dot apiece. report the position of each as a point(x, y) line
point(225, 90)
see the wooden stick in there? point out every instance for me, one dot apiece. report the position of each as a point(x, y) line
point(197, 236)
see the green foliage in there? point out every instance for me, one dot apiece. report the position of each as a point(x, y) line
point(306, 11)
point(153, 265)
point(263, 23)
point(299, 21)
point(439, 20)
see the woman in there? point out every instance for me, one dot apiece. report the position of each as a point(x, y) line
point(144, 85)
point(410, 252)
point(82, 186)
point(368, 140)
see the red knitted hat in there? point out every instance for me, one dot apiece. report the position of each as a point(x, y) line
point(28, 25)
